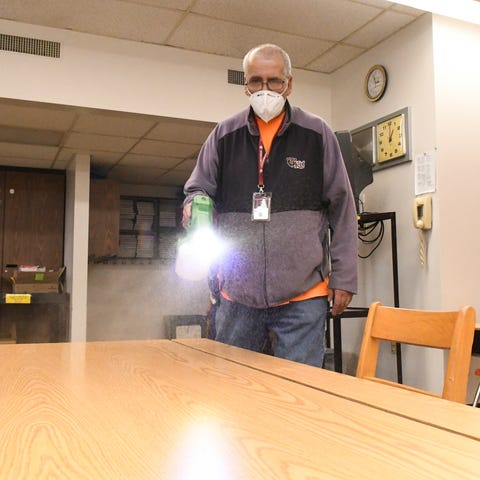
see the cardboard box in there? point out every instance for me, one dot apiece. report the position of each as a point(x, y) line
point(49, 281)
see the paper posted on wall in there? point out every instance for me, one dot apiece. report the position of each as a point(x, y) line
point(425, 174)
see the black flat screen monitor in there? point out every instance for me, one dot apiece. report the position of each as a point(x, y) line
point(357, 152)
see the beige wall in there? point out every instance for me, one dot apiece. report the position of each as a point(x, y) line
point(408, 59)
point(427, 74)
point(457, 81)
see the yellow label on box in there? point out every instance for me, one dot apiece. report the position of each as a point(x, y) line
point(18, 298)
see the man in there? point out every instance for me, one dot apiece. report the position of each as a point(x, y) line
point(279, 184)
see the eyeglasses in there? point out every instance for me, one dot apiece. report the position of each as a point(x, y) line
point(256, 84)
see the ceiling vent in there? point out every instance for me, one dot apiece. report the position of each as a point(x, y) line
point(235, 77)
point(32, 46)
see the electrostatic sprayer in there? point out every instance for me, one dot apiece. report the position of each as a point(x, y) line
point(201, 246)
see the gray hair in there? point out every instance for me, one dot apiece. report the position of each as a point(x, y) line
point(269, 50)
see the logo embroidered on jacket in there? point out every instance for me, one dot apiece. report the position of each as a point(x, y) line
point(293, 162)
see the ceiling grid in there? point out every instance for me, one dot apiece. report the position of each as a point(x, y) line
point(320, 36)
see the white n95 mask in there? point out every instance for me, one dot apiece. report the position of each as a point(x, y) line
point(267, 104)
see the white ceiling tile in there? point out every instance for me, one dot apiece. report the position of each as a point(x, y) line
point(338, 17)
point(99, 161)
point(65, 155)
point(175, 4)
point(109, 158)
point(17, 161)
point(377, 3)
point(105, 158)
point(235, 40)
point(143, 23)
point(125, 18)
point(129, 174)
point(88, 141)
point(165, 149)
point(31, 115)
point(409, 10)
point(132, 159)
point(385, 24)
point(174, 177)
point(28, 151)
point(61, 164)
point(187, 165)
point(119, 125)
point(182, 131)
point(100, 169)
point(335, 58)
point(30, 136)
point(305, 28)
point(301, 51)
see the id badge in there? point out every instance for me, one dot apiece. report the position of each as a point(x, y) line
point(261, 202)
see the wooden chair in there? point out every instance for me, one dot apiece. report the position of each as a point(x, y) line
point(451, 331)
point(476, 398)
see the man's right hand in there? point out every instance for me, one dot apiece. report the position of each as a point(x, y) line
point(187, 213)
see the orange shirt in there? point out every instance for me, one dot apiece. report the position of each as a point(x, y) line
point(267, 134)
point(269, 130)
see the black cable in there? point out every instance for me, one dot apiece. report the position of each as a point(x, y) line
point(367, 231)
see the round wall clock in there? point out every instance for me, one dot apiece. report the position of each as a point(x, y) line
point(375, 83)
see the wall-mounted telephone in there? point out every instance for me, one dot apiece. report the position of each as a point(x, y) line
point(422, 212)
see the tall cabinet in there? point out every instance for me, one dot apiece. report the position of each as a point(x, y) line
point(104, 215)
point(32, 212)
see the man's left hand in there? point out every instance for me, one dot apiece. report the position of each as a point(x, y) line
point(341, 300)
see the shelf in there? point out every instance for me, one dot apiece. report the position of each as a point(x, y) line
point(158, 233)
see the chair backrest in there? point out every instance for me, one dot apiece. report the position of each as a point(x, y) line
point(451, 331)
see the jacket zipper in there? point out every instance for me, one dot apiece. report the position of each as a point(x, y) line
point(265, 266)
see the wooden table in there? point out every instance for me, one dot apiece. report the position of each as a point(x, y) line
point(449, 416)
point(168, 410)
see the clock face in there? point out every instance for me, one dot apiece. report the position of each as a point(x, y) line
point(375, 83)
point(391, 139)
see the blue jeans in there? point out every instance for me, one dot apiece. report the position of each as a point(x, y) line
point(298, 327)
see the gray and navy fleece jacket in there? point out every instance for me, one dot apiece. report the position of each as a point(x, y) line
point(268, 263)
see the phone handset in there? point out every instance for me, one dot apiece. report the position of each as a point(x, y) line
point(422, 219)
point(422, 212)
